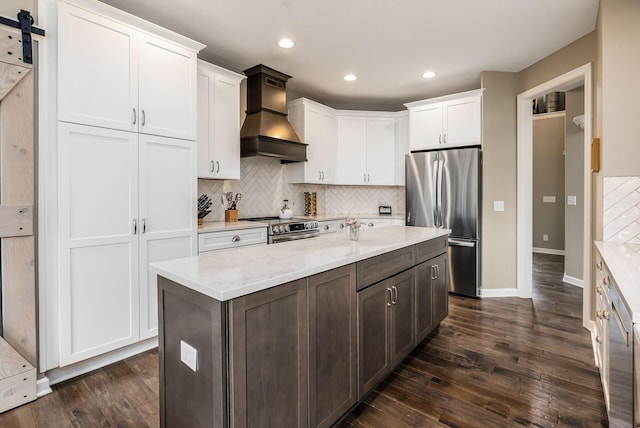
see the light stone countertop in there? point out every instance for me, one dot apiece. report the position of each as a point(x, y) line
point(623, 261)
point(219, 226)
point(224, 275)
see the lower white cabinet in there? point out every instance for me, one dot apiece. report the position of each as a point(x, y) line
point(225, 239)
point(329, 226)
point(125, 200)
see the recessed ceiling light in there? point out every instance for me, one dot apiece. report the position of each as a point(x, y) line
point(428, 74)
point(286, 43)
point(350, 77)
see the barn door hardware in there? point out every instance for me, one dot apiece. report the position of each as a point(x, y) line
point(25, 24)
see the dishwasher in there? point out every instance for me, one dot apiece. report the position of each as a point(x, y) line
point(621, 362)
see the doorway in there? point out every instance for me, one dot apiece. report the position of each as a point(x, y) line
point(568, 81)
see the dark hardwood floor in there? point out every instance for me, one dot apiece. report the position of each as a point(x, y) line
point(493, 363)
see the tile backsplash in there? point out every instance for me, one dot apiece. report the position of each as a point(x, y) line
point(264, 185)
point(621, 205)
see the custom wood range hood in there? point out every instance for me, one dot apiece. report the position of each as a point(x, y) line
point(266, 130)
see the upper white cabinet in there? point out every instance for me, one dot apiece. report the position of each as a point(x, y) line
point(449, 121)
point(315, 124)
point(366, 152)
point(113, 75)
point(218, 122)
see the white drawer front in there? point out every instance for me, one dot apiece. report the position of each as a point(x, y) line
point(213, 241)
point(328, 226)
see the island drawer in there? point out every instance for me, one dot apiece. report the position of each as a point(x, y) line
point(384, 266)
point(213, 241)
point(430, 249)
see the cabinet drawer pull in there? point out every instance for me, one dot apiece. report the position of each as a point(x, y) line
point(326, 227)
point(390, 301)
point(394, 290)
point(370, 225)
point(236, 238)
point(437, 271)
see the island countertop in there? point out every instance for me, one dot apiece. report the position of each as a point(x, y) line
point(225, 275)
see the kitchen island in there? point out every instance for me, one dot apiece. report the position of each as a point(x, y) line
point(294, 334)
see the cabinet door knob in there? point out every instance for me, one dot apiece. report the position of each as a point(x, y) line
point(599, 290)
point(326, 227)
point(599, 339)
point(605, 315)
point(599, 265)
point(606, 280)
point(370, 225)
point(236, 238)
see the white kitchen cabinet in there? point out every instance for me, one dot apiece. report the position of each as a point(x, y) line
point(225, 239)
point(116, 76)
point(315, 124)
point(167, 213)
point(402, 147)
point(218, 122)
point(366, 148)
point(449, 121)
point(125, 200)
point(329, 226)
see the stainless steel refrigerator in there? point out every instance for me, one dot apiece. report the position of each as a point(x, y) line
point(444, 190)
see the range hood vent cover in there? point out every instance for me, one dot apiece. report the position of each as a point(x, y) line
point(266, 130)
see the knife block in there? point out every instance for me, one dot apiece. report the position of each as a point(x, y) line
point(230, 215)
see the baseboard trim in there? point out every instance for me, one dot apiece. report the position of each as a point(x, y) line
point(573, 281)
point(43, 387)
point(61, 374)
point(547, 251)
point(499, 292)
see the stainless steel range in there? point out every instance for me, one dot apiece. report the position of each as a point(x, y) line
point(288, 230)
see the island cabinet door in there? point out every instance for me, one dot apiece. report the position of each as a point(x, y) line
point(332, 345)
point(269, 357)
point(425, 272)
point(374, 336)
point(440, 288)
point(402, 316)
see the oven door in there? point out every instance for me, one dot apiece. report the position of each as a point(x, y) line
point(303, 234)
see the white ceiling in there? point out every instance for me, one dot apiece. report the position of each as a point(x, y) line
point(386, 44)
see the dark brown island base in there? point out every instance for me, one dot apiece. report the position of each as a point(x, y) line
point(302, 353)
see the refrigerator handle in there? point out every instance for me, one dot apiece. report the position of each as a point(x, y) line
point(436, 176)
point(439, 191)
point(460, 243)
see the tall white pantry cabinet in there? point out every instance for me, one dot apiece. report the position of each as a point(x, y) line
point(125, 105)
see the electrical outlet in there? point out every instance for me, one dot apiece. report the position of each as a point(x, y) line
point(549, 199)
point(189, 355)
point(498, 205)
point(545, 237)
point(572, 200)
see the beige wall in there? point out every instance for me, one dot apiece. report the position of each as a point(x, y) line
point(499, 179)
point(620, 21)
point(574, 185)
point(10, 8)
point(578, 53)
point(548, 180)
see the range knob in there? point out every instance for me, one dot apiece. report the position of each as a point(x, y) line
point(286, 227)
point(276, 229)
